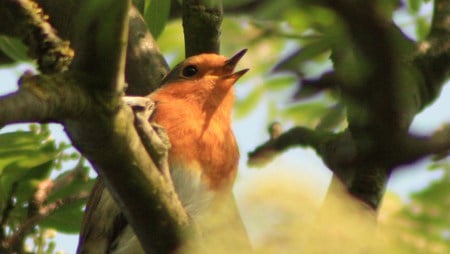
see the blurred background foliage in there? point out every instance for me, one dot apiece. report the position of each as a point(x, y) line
point(289, 48)
point(37, 197)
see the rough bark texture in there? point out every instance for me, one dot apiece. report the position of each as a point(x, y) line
point(207, 18)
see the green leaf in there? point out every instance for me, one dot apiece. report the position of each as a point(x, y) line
point(414, 6)
point(294, 61)
point(156, 15)
point(66, 219)
point(422, 28)
point(24, 157)
point(307, 114)
point(332, 119)
point(280, 82)
point(18, 140)
point(29, 158)
point(13, 48)
point(30, 180)
point(436, 193)
point(77, 186)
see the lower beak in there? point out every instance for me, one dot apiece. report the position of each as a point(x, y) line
point(231, 63)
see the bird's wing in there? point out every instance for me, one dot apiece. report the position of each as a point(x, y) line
point(102, 222)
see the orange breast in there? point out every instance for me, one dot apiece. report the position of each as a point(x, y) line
point(199, 142)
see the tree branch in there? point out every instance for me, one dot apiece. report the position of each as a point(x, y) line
point(108, 138)
point(201, 23)
point(43, 99)
point(338, 151)
point(101, 127)
point(145, 66)
point(23, 18)
point(297, 136)
point(433, 56)
point(413, 148)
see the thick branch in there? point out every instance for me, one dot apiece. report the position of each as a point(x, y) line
point(43, 99)
point(201, 24)
point(298, 136)
point(114, 148)
point(101, 55)
point(108, 138)
point(145, 66)
point(338, 151)
point(101, 128)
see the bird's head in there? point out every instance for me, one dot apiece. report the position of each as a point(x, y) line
point(206, 71)
point(204, 80)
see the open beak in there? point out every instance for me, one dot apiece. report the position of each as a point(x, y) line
point(231, 63)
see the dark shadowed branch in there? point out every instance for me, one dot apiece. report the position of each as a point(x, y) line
point(145, 66)
point(201, 24)
point(297, 136)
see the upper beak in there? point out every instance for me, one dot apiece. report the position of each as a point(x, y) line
point(231, 63)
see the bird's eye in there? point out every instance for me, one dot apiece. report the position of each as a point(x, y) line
point(189, 71)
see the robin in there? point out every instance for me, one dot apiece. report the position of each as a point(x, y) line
point(194, 106)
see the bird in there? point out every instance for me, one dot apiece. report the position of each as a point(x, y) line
point(194, 106)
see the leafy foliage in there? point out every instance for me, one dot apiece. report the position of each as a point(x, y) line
point(34, 197)
point(13, 48)
point(156, 14)
point(422, 225)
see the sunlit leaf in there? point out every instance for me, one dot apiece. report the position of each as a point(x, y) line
point(414, 6)
point(13, 48)
point(30, 180)
point(18, 140)
point(171, 42)
point(279, 82)
point(35, 165)
point(29, 158)
point(422, 28)
point(273, 111)
point(294, 61)
point(275, 9)
point(307, 114)
point(435, 193)
point(332, 119)
point(156, 14)
point(66, 219)
point(79, 185)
